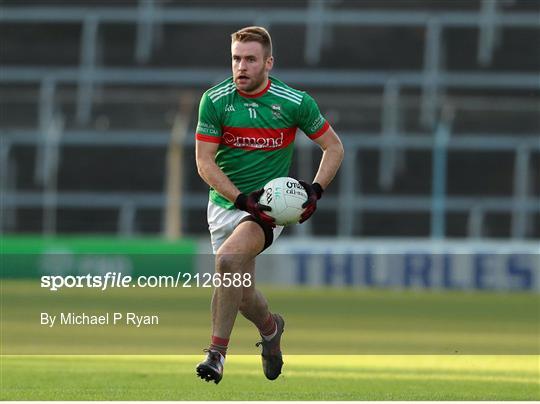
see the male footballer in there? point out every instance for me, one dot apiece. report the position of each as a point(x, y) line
point(245, 138)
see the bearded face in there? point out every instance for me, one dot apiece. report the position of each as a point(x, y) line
point(250, 66)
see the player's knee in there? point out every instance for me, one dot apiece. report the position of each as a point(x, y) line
point(227, 263)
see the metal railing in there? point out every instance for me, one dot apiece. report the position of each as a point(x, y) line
point(350, 203)
point(150, 14)
point(432, 80)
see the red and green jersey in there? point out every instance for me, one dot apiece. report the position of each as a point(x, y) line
point(255, 132)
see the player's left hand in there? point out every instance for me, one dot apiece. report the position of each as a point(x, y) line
point(250, 203)
point(314, 192)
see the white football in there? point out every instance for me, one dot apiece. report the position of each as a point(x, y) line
point(285, 196)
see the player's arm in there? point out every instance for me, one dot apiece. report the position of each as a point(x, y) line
point(205, 156)
point(332, 157)
point(330, 162)
point(208, 139)
point(317, 129)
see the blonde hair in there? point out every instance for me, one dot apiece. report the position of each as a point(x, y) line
point(254, 34)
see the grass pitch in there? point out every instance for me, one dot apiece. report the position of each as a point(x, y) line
point(339, 344)
point(333, 377)
point(334, 321)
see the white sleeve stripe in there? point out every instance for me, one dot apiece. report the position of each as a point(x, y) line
point(220, 89)
point(295, 100)
point(285, 92)
point(232, 90)
point(225, 90)
point(288, 90)
point(284, 96)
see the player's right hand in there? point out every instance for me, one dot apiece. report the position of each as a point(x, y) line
point(314, 192)
point(250, 204)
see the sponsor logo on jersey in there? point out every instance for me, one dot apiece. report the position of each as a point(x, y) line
point(229, 108)
point(255, 142)
point(251, 105)
point(316, 124)
point(206, 128)
point(257, 138)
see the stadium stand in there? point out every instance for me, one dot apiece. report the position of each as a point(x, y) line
point(437, 104)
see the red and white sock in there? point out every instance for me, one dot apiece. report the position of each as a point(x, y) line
point(268, 329)
point(219, 344)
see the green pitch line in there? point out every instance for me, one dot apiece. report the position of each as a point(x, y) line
point(330, 377)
